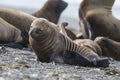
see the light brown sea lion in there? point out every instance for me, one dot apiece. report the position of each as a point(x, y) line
point(51, 10)
point(17, 18)
point(68, 32)
point(109, 47)
point(12, 35)
point(51, 43)
point(99, 15)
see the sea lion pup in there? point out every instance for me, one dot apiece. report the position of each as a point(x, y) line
point(90, 44)
point(51, 10)
point(99, 15)
point(109, 47)
point(51, 44)
point(17, 18)
point(10, 34)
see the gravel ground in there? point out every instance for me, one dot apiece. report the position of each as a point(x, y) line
point(18, 64)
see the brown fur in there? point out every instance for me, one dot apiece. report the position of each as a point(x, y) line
point(52, 44)
point(51, 10)
point(17, 18)
point(102, 22)
point(50, 41)
point(109, 47)
point(9, 33)
point(90, 44)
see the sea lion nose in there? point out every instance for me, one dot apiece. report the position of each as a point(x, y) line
point(38, 31)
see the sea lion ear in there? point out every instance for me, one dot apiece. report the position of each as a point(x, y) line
point(62, 28)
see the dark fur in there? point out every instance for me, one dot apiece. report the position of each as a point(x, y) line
point(51, 43)
point(102, 22)
point(109, 47)
point(51, 10)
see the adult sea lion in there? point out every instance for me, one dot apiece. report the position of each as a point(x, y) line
point(109, 47)
point(51, 10)
point(50, 43)
point(17, 18)
point(99, 15)
point(10, 34)
point(22, 20)
point(84, 25)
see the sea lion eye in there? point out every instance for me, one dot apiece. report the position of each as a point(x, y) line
point(39, 30)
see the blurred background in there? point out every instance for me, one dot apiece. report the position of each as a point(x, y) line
point(70, 14)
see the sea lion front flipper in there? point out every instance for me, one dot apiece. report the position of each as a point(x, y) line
point(62, 28)
point(12, 45)
point(86, 31)
point(56, 58)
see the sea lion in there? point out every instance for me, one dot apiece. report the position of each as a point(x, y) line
point(99, 15)
point(90, 44)
point(109, 47)
point(51, 10)
point(19, 19)
point(22, 20)
point(68, 32)
point(51, 43)
point(84, 25)
point(10, 34)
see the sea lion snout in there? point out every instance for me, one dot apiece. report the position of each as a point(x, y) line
point(63, 5)
point(36, 31)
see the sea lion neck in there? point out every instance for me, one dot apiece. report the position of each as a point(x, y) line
point(88, 5)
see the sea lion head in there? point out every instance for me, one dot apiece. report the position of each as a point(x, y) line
point(105, 45)
point(40, 28)
point(58, 5)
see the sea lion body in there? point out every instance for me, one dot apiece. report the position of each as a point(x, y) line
point(109, 47)
point(19, 19)
point(51, 10)
point(99, 15)
point(90, 44)
point(51, 43)
point(9, 33)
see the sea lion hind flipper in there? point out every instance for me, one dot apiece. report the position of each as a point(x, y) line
point(83, 61)
point(79, 59)
point(62, 28)
point(12, 45)
point(103, 62)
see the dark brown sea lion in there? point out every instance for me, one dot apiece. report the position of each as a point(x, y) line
point(109, 47)
point(51, 10)
point(17, 18)
point(22, 20)
point(84, 25)
point(10, 34)
point(99, 15)
point(51, 43)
